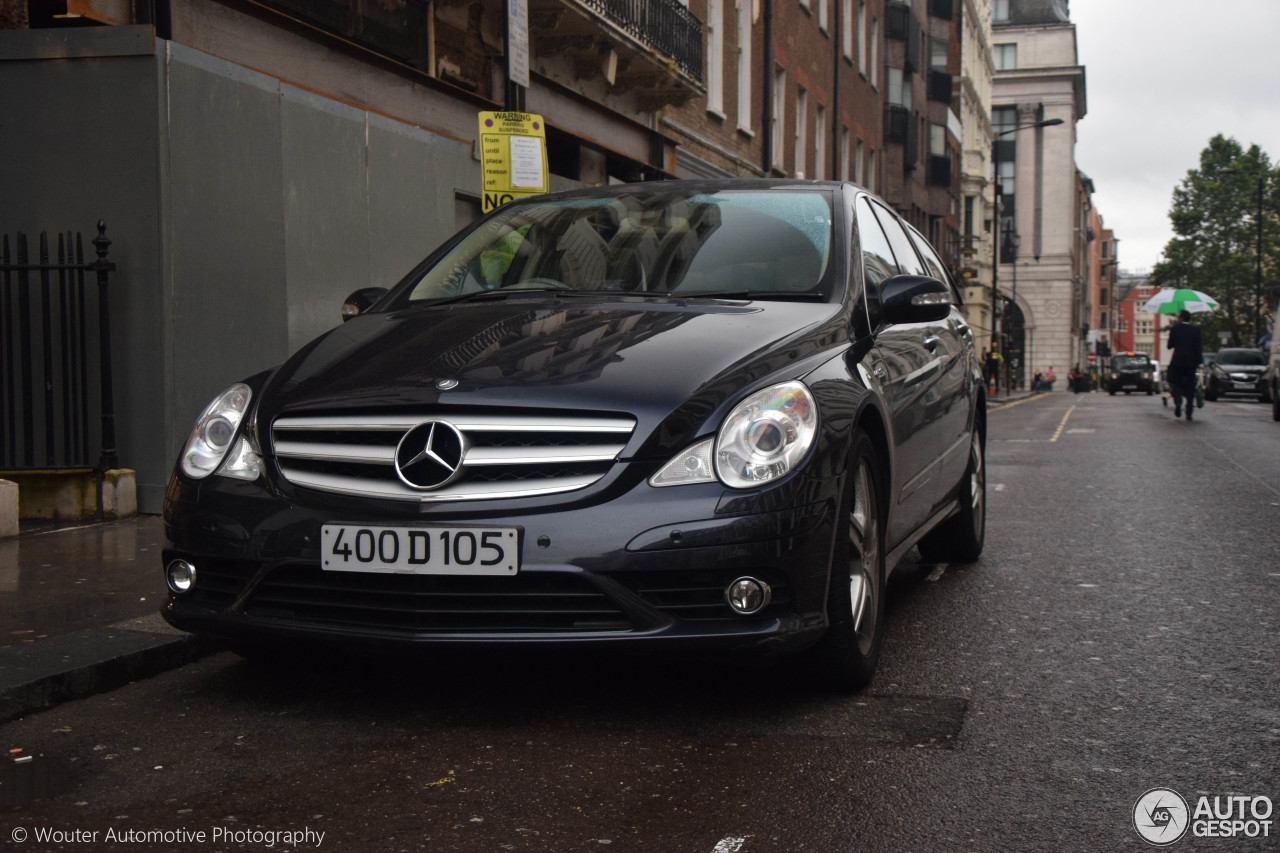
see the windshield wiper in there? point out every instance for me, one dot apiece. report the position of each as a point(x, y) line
point(502, 293)
point(749, 295)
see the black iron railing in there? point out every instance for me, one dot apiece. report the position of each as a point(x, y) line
point(940, 86)
point(51, 344)
point(664, 25)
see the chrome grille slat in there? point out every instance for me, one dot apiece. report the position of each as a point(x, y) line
point(466, 423)
point(507, 456)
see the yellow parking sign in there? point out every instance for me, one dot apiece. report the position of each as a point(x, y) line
point(513, 154)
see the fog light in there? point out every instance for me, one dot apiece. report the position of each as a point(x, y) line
point(748, 595)
point(181, 576)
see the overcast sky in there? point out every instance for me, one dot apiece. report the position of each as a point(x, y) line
point(1163, 77)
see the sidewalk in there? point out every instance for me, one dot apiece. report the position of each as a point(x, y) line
point(79, 613)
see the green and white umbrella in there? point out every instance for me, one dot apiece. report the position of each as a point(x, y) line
point(1174, 301)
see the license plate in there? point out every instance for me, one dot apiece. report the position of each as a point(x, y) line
point(420, 550)
point(1246, 386)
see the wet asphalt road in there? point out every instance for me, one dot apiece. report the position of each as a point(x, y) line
point(1119, 634)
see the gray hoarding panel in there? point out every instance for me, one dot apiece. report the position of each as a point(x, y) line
point(412, 178)
point(326, 207)
point(225, 245)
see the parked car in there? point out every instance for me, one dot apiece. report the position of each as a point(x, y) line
point(1236, 370)
point(1271, 378)
point(1131, 371)
point(678, 415)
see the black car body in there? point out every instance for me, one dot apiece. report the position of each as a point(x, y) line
point(1236, 370)
point(706, 415)
point(1131, 371)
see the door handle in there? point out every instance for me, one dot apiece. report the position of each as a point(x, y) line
point(931, 342)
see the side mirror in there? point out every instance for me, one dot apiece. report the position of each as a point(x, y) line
point(359, 302)
point(914, 299)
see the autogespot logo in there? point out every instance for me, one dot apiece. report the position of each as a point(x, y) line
point(1161, 817)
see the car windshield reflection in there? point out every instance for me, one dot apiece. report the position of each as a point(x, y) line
point(742, 245)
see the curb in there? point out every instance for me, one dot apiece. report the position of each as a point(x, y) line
point(49, 672)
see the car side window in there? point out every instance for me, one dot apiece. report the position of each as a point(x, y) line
point(937, 268)
point(908, 261)
point(877, 258)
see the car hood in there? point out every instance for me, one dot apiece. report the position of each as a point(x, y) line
point(671, 364)
point(1243, 368)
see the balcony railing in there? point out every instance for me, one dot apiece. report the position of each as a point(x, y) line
point(664, 25)
point(897, 123)
point(939, 171)
point(940, 86)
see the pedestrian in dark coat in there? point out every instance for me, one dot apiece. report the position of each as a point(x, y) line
point(1184, 342)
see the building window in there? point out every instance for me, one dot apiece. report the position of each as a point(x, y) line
point(820, 144)
point(802, 120)
point(745, 71)
point(871, 170)
point(804, 4)
point(715, 56)
point(1006, 56)
point(779, 108)
point(1122, 325)
point(1000, 11)
point(969, 202)
point(844, 154)
point(937, 54)
point(824, 15)
point(858, 165)
point(899, 94)
point(862, 34)
point(874, 49)
point(938, 140)
point(846, 28)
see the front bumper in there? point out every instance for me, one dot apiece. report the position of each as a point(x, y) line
point(641, 567)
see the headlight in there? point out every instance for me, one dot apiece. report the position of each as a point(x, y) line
point(214, 432)
point(764, 437)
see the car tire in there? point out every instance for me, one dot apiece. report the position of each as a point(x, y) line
point(845, 658)
point(961, 537)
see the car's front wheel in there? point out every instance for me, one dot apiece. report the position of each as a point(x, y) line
point(845, 658)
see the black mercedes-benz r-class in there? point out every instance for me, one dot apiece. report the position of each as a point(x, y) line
point(708, 415)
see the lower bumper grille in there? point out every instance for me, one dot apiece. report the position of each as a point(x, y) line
point(532, 602)
point(698, 596)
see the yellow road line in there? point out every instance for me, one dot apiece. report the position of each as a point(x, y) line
point(1063, 424)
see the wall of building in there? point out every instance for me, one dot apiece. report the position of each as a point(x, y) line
point(242, 211)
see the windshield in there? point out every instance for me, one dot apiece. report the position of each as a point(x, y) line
point(768, 244)
point(1241, 356)
point(1132, 362)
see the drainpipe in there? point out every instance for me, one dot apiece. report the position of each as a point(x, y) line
point(767, 129)
point(837, 35)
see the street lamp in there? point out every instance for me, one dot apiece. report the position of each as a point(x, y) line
point(995, 240)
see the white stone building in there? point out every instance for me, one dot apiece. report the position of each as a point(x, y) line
point(977, 215)
point(1038, 78)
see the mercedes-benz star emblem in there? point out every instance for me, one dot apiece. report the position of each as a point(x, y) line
point(430, 455)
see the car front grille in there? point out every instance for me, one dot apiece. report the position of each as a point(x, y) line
point(530, 602)
point(506, 456)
